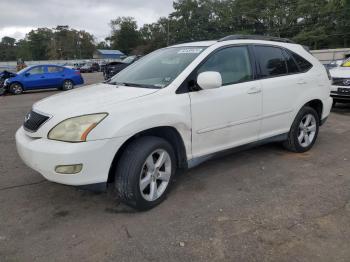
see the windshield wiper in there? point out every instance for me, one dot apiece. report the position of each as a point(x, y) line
point(133, 85)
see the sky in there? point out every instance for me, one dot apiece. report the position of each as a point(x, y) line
point(18, 17)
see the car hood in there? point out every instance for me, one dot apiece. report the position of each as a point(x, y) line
point(340, 72)
point(90, 99)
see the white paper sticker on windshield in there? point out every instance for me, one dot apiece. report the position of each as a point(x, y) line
point(190, 51)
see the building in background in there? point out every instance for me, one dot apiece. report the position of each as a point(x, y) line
point(108, 54)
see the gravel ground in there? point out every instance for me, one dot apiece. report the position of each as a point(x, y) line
point(264, 204)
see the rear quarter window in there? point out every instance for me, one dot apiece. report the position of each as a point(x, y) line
point(292, 66)
point(302, 63)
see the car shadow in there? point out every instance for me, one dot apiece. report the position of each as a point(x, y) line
point(341, 108)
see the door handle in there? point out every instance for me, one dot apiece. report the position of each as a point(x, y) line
point(254, 90)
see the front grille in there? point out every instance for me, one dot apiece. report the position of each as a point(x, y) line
point(341, 82)
point(34, 120)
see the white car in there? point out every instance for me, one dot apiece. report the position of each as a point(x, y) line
point(173, 109)
point(340, 90)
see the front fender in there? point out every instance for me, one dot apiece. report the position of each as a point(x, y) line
point(160, 111)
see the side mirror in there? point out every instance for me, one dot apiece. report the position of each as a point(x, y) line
point(209, 80)
point(27, 74)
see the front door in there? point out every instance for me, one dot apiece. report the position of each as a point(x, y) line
point(228, 116)
point(34, 78)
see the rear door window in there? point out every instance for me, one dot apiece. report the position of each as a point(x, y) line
point(54, 69)
point(271, 60)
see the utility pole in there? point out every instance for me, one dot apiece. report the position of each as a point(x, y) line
point(167, 38)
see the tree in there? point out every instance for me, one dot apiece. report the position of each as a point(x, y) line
point(125, 35)
point(7, 49)
point(39, 43)
point(23, 50)
point(102, 45)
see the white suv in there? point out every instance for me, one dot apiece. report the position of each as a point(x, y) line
point(173, 109)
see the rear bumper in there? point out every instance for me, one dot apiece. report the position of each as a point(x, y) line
point(78, 80)
point(327, 107)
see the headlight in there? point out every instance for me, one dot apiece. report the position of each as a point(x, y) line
point(76, 129)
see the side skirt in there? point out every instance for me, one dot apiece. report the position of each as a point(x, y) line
point(199, 160)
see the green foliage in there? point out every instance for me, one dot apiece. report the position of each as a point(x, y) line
point(315, 23)
point(125, 35)
point(44, 44)
point(7, 48)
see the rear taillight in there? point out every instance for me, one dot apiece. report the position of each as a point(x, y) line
point(77, 72)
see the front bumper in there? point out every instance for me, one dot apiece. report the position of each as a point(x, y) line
point(43, 155)
point(340, 96)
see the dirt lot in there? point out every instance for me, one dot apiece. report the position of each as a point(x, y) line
point(265, 204)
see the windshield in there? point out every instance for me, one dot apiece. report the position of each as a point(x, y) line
point(159, 68)
point(128, 60)
point(23, 70)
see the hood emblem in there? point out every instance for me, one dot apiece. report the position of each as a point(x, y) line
point(346, 82)
point(27, 117)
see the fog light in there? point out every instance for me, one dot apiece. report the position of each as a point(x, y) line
point(69, 169)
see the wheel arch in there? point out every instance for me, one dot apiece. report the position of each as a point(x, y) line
point(17, 82)
point(168, 133)
point(68, 79)
point(317, 105)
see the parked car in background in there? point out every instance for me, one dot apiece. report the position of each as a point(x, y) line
point(43, 76)
point(85, 69)
point(175, 108)
point(102, 65)
point(90, 68)
point(340, 90)
point(334, 64)
point(114, 68)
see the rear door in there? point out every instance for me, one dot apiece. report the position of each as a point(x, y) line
point(35, 78)
point(280, 89)
point(55, 75)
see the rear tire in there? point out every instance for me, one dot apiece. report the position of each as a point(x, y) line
point(304, 131)
point(16, 89)
point(67, 85)
point(144, 172)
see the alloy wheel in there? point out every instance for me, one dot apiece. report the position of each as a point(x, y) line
point(16, 89)
point(68, 85)
point(155, 175)
point(307, 130)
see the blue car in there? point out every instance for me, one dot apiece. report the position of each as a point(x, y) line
point(42, 77)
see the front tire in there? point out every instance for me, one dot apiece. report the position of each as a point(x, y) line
point(67, 85)
point(145, 171)
point(16, 89)
point(303, 133)
point(2, 91)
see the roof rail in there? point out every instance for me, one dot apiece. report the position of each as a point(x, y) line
point(256, 37)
